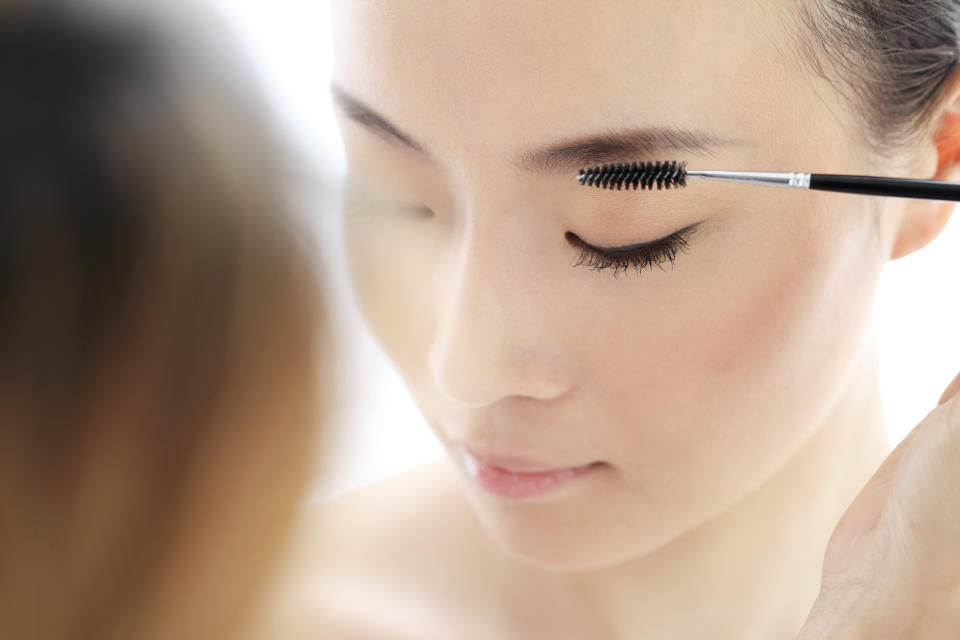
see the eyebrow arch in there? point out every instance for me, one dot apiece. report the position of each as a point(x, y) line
point(359, 112)
point(621, 146)
point(568, 156)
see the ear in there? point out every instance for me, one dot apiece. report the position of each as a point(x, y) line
point(923, 220)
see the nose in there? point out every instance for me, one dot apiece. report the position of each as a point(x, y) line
point(497, 332)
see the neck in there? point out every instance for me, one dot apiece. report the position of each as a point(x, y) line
point(754, 570)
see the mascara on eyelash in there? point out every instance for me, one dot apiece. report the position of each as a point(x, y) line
point(639, 259)
point(673, 174)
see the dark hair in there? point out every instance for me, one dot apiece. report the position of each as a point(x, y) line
point(159, 314)
point(70, 226)
point(892, 59)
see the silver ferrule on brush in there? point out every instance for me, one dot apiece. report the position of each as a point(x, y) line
point(796, 180)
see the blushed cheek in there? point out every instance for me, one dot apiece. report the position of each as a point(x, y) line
point(726, 383)
point(785, 333)
point(751, 329)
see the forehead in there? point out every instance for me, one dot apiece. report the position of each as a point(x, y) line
point(501, 76)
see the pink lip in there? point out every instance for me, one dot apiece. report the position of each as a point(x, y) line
point(518, 479)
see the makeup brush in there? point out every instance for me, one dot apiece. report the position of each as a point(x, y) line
point(672, 175)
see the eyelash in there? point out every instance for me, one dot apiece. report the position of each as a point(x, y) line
point(638, 258)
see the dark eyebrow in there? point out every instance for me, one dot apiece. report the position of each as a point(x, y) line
point(622, 146)
point(364, 115)
point(568, 156)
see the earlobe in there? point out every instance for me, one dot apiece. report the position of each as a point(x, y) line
point(920, 224)
point(922, 221)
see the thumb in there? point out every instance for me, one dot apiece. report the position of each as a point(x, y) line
point(950, 391)
point(853, 532)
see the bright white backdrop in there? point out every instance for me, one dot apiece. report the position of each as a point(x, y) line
point(917, 311)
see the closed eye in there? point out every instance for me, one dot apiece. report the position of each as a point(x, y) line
point(635, 256)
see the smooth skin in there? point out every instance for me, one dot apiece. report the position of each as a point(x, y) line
point(731, 396)
point(892, 568)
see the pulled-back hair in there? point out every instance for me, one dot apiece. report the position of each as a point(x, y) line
point(892, 59)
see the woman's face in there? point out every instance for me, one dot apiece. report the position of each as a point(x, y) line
point(607, 411)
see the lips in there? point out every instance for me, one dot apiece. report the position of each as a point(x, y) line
point(521, 479)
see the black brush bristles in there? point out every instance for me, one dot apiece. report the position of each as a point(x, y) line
point(636, 175)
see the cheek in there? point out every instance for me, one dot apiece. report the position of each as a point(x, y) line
point(727, 368)
point(392, 266)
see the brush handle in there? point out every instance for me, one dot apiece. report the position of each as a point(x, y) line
point(894, 187)
point(647, 175)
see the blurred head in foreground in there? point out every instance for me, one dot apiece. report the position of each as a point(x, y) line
point(159, 331)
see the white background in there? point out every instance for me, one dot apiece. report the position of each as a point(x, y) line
point(917, 311)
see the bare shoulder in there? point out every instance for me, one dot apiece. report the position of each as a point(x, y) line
point(380, 562)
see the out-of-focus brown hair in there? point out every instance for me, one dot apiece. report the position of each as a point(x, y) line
point(161, 334)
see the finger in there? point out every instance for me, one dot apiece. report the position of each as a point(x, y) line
point(875, 490)
point(863, 514)
point(860, 519)
point(951, 390)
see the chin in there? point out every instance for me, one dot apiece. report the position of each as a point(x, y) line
point(562, 537)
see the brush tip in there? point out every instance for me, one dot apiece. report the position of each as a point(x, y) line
point(635, 175)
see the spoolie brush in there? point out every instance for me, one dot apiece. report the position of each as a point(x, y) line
point(667, 175)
